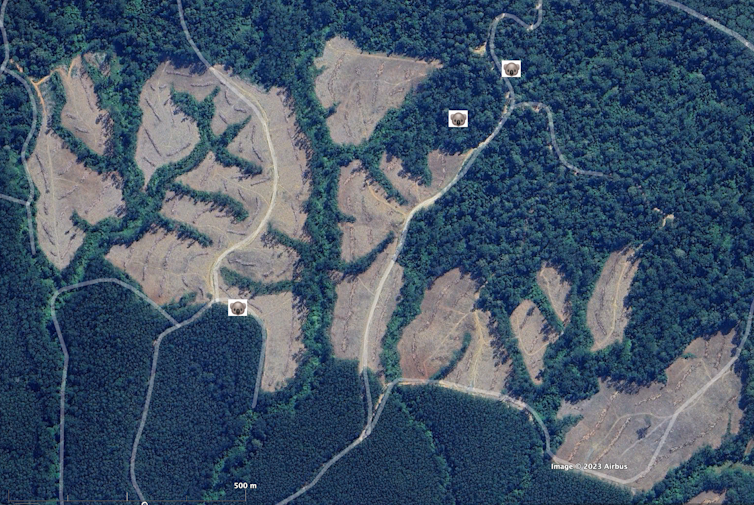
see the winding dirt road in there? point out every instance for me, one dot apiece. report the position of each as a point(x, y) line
point(262, 117)
point(372, 421)
point(32, 131)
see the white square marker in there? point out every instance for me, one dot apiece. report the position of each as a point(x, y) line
point(511, 68)
point(237, 307)
point(458, 118)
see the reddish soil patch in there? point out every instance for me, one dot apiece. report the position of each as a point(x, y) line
point(428, 343)
point(480, 367)
point(364, 86)
point(606, 313)
point(557, 290)
point(282, 320)
point(625, 428)
point(81, 114)
point(533, 334)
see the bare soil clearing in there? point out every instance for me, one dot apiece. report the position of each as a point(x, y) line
point(480, 367)
point(81, 114)
point(479, 51)
point(534, 334)
point(66, 186)
point(284, 347)
point(364, 85)
point(606, 313)
point(291, 149)
point(375, 216)
point(182, 265)
point(707, 498)
point(166, 134)
point(355, 296)
point(442, 166)
point(264, 261)
point(625, 428)
point(557, 289)
point(428, 343)
point(166, 267)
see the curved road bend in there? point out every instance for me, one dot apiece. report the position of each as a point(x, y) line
point(214, 271)
point(29, 136)
point(150, 388)
point(64, 348)
point(467, 163)
point(520, 405)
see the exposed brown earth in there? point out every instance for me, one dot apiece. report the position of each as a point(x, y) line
point(264, 261)
point(188, 268)
point(166, 135)
point(364, 85)
point(480, 368)
point(66, 186)
point(282, 321)
point(375, 216)
point(625, 428)
point(428, 343)
point(291, 149)
point(81, 114)
point(229, 109)
point(168, 267)
point(442, 166)
point(534, 334)
point(707, 498)
point(479, 51)
point(557, 290)
point(355, 295)
point(606, 313)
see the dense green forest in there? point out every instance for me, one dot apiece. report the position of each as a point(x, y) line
point(398, 463)
point(110, 353)
point(689, 86)
point(655, 99)
point(293, 437)
point(437, 446)
point(204, 387)
point(495, 453)
point(31, 358)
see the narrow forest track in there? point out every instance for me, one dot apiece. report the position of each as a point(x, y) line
point(32, 131)
point(66, 358)
point(150, 389)
point(374, 418)
point(262, 117)
point(511, 106)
